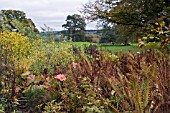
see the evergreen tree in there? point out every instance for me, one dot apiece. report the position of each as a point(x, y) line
point(75, 26)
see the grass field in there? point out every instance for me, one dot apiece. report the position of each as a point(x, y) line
point(79, 44)
point(118, 48)
point(113, 48)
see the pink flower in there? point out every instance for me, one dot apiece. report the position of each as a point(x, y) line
point(31, 77)
point(51, 88)
point(60, 77)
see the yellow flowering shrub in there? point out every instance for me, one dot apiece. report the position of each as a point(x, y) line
point(16, 48)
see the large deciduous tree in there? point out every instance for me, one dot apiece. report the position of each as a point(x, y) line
point(75, 26)
point(132, 14)
point(126, 12)
point(15, 20)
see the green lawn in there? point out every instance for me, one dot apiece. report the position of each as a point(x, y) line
point(79, 44)
point(113, 48)
point(118, 48)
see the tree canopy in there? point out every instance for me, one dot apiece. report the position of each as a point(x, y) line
point(129, 16)
point(75, 26)
point(15, 20)
point(126, 12)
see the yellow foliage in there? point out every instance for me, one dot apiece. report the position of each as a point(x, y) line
point(34, 54)
point(16, 48)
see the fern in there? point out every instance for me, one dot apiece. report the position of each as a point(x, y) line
point(146, 91)
point(138, 97)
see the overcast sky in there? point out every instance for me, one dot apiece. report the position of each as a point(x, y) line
point(53, 13)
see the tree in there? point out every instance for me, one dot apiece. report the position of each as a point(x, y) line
point(108, 34)
point(126, 12)
point(134, 14)
point(15, 20)
point(75, 26)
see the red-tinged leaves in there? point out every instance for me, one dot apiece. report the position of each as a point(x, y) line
point(51, 88)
